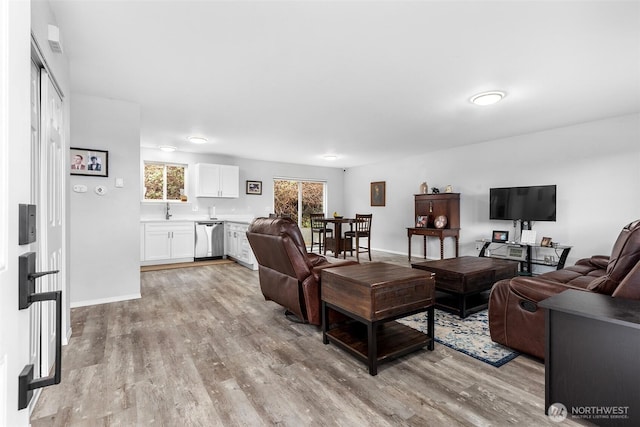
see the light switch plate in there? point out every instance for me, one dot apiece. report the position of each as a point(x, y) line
point(119, 182)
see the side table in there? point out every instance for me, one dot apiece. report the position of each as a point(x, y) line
point(591, 357)
point(440, 233)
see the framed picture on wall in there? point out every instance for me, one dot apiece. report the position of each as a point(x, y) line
point(89, 161)
point(254, 187)
point(378, 195)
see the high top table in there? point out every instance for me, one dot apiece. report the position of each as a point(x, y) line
point(337, 243)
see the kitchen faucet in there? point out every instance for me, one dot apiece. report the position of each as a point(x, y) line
point(167, 214)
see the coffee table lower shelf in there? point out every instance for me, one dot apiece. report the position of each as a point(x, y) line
point(392, 340)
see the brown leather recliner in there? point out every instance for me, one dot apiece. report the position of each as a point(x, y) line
point(516, 321)
point(289, 275)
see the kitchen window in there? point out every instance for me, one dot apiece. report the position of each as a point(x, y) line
point(164, 182)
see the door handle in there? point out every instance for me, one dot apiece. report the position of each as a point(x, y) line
point(26, 383)
point(27, 296)
point(27, 276)
point(34, 276)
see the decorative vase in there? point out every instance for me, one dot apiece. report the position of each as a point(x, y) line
point(424, 188)
point(440, 221)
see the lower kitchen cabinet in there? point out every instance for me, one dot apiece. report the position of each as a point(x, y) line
point(168, 242)
point(237, 245)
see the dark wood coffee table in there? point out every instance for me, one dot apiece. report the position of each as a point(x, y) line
point(461, 282)
point(374, 295)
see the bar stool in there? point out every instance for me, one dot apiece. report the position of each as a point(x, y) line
point(362, 230)
point(320, 228)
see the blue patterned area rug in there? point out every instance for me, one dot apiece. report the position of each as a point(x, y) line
point(469, 336)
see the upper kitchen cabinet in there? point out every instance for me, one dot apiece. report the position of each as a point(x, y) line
point(217, 180)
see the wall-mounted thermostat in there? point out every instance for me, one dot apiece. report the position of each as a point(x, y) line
point(101, 190)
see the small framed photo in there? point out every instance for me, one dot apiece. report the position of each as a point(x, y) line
point(546, 241)
point(378, 196)
point(254, 187)
point(89, 162)
point(500, 236)
point(422, 221)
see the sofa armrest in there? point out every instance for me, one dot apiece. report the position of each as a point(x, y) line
point(630, 285)
point(537, 289)
point(316, 259)
point(598, 261)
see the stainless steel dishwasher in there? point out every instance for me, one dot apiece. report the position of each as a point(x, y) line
point(209, 241)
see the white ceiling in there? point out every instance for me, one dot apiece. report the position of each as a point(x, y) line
point(366, 80)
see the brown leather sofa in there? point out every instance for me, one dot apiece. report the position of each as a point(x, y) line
point(289, 275)
point(516, 321)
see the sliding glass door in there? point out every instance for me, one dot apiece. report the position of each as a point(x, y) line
point(299, 198)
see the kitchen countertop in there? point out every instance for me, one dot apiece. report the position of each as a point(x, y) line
point(242, 219)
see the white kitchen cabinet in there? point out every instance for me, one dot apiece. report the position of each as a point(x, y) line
point(213, 180)
point(230, 240)
point(237, 245)
point(168, 242)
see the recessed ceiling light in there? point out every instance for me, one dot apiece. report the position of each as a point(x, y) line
point(167, 148)
point(197, 139)
point(331, 157)
point(488, 98)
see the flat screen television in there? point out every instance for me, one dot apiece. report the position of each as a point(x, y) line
point(536, 203)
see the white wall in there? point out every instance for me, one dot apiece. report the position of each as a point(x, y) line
point(595, 165)
point(253, 170)
point(105, 230)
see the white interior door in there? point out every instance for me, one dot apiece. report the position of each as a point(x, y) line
point(50, 211)
point(35, 309)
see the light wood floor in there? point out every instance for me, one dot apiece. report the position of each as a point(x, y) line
point(203, 348)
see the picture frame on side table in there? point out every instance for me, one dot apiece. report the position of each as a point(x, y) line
point(254, 187)
point(500, 236)
point(378, 193)
point(89, 162)
point(546, 242)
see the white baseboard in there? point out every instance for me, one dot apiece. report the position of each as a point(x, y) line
point(105, 300)
point(65, 339)
point(389, 251)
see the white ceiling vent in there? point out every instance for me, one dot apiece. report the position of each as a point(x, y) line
point(54, 39)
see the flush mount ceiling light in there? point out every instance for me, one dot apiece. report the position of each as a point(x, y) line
point(167, 148)
point(488, 98)
point(330, 157)
point(197, 139)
